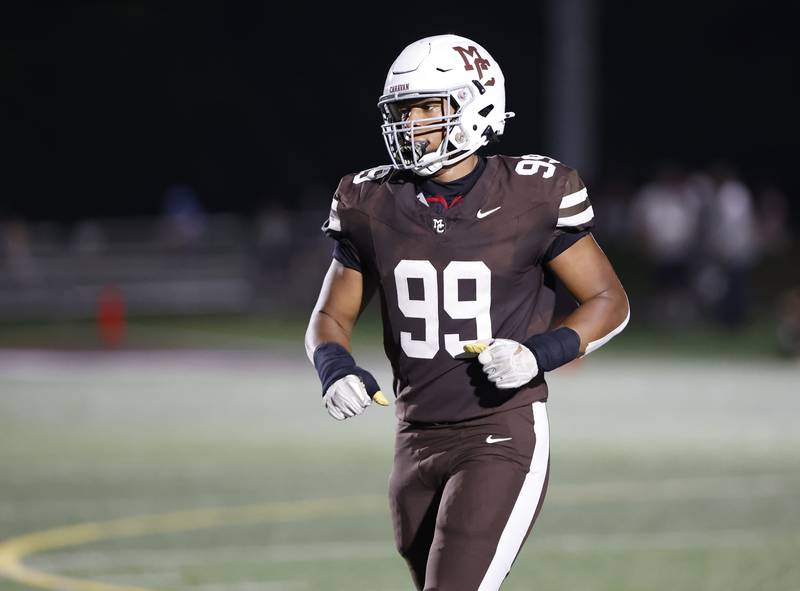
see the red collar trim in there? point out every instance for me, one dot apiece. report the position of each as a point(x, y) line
point(443, 201)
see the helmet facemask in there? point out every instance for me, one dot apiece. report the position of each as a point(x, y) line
point(401, 135)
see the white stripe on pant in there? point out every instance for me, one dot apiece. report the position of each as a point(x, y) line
point(525, 506)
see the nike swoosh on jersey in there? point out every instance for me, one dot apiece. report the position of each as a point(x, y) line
point(483, 214)
point(493, 439)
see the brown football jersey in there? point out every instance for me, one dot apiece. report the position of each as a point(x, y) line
point(447, 278)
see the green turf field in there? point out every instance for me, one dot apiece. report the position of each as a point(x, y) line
point(672, 474)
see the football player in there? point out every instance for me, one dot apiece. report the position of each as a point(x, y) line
point(458, 248)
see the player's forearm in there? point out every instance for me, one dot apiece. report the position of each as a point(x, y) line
point(599, 319)
point(324, 328)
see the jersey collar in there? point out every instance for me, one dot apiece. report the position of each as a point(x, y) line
point(478, 197)
point(451, 189)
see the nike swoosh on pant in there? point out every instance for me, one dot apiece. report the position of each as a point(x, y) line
point(492, 439)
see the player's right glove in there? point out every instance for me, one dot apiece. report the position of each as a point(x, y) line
point(509, 364)
point(346, 388)
point(506, 363)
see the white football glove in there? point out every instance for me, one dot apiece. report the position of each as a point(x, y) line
point(346, 398)
point(508, 364)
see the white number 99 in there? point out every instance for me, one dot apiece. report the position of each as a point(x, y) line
point(428, 307)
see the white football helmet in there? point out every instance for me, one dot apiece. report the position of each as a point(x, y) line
point(472, 84)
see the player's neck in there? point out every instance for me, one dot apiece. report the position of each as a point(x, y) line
point(456, 171)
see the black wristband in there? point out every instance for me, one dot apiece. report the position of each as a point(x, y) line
point(554, 348)
point(332, 362)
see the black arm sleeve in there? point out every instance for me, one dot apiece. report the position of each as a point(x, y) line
point(561, 243)
point(345, 253)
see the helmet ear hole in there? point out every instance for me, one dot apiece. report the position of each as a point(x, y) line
point(457, 139)
point(490, 134)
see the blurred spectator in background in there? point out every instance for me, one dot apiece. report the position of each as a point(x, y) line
point(186, 219)
point(730, 247)
point(789, 322)
point(615, 197)
point(773, 216)
point(665, 217)
point(17, 260)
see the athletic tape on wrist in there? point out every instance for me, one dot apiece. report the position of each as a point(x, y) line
point(554, 348)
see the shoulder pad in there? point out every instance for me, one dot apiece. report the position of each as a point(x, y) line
point(538, 178)
point(547, 180)
point(567, 194)
point(356, 186)
point(542, 167)
point(372, 174)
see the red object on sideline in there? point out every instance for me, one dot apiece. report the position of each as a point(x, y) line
point(111, 321)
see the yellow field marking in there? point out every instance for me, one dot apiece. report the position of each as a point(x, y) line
point(14, 550)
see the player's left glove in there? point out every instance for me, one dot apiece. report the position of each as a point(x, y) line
point(506, 363)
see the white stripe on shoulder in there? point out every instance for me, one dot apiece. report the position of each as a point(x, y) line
point(334, 223)
point(574, 198)
point(577, 219)
point(524, 509)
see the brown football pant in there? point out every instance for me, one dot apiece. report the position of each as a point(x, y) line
point(464, 496)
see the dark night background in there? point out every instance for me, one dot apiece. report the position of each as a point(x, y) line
point(107, 104)
point(166, 169)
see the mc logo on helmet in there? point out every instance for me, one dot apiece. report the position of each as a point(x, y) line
point(480, 64)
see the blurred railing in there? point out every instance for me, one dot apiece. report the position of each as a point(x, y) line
point(159, 266)
point(273, 264)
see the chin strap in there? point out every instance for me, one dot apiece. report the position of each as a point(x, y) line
point(418, 154)
point(422, 155)
point(430, 168)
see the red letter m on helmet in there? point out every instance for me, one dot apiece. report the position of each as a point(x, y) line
point(478, 63)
